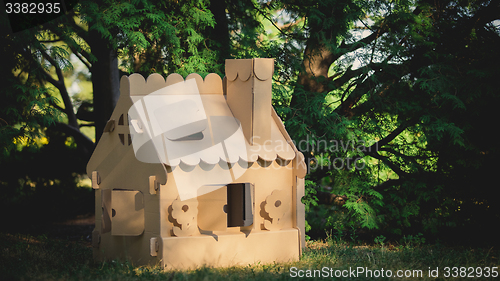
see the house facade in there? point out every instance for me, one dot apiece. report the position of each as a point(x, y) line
point(198, 172)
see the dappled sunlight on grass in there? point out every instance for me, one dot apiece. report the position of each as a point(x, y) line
point(41, 258)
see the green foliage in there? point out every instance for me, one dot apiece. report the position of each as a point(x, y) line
point(38, 122)
point(310, 200)
point(25, 108)
point(391, 102)
point(46, 184)
point(413, 240)
point(154, 37)
point(380, 240)
point(420, 91)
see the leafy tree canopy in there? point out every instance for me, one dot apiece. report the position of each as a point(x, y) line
point(391, 102)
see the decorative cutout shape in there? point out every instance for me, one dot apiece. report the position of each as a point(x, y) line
point(185, 213)
point(137, 126)
point(276, 209)
point(263, 68)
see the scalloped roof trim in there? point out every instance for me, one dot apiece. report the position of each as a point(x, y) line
point(243, 69)
point(276, 148)
point(137, 85)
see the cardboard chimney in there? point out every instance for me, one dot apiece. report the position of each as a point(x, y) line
point(198, 172)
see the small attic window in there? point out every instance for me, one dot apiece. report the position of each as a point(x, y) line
point(121, 122)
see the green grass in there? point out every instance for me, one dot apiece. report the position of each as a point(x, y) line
point(24, 257)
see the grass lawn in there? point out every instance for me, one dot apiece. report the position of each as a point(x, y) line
point(26, 257)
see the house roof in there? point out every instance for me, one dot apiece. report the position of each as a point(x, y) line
point(177, 121)
point(189, 121)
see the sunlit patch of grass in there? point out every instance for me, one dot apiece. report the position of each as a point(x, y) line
point(25, 257)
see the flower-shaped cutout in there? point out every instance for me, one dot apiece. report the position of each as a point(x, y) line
point(275, 205)
point(185, 212)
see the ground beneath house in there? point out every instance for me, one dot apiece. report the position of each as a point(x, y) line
point(78, 229)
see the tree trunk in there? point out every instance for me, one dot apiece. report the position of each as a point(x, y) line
point(317, 62)
point(220, 32)
point(105, 81)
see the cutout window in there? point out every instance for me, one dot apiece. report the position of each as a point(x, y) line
point(124, 138)
point(240, 204)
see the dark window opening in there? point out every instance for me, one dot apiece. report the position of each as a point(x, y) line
point(240, 204)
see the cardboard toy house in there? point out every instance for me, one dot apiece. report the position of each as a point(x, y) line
point(198, 172)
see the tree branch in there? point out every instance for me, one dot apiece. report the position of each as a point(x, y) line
point(266, 16)
point(79, 31)
point(374, 148)
point(59, 74)
point(86, 144)
point(59, 84)
point(387, 183)
point(50, 41)
point(79, 55)
point(327, 198)
point(389, 137)
point(392, 166)
point(383, 28)
point(52, 103)
point(87, 125)
point(71, 44)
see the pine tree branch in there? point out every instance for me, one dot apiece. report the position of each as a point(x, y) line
point(346, 108)
point(387, 183)
point(80, 56)
point(50, 41)
point(389, 163)
point(377, 33)
point(374, 148)
point(52, 103)
point(71, 44)
point(59, 74)
point(484, 15)
point(87, 125)
point(59, 84)
point(327, 198)
point(391, 136)
point(82, 33)
point(266, 16)
point(82, 140)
